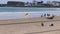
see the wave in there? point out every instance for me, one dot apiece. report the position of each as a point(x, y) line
point(17, 15)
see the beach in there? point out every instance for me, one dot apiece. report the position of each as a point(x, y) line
point(13, 20)
point(30, 26)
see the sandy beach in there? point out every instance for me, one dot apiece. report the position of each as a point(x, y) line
point(30, 26)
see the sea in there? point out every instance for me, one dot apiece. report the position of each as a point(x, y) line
point(20, 12)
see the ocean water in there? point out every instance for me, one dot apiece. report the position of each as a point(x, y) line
point(26, 9)
point(19, 12)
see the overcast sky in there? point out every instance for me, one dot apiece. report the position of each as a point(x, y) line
point(5, 1)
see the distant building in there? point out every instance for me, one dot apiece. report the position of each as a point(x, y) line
point(15, 4)
point(46, 5)
point(49, 2)
point(37, 3)
point(42, 4)
point(28, 4)
point(3, 5)
point(54, 3)
point(34, 3)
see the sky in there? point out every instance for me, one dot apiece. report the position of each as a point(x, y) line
point(5, 1)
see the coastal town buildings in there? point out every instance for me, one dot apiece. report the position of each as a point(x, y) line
point(54, 3)
point(28, 4)
point(3, 5)
point(34, 3)
point(38, 3)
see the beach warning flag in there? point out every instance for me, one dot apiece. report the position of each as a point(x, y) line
point(27, 14)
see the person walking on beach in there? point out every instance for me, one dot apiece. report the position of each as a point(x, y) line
point(42, 24)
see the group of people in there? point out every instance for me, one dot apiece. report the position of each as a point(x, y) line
point(48, 16)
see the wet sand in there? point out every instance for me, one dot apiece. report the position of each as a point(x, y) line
point(30, 26)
